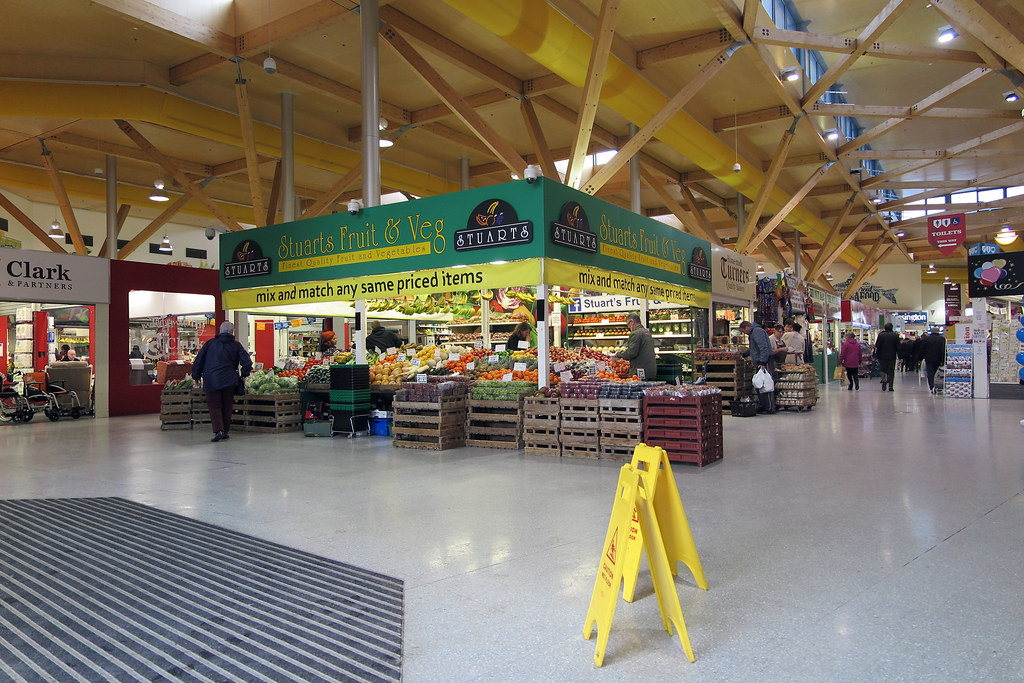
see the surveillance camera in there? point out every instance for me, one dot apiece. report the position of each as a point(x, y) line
point(354, 206)
point(736, 167)
point(532, 172)
point(269, 65)
point(211, 233)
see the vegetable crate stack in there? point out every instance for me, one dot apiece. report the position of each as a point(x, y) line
point(350, 398)
point(687, 423)
point(621, 417)
point(495, 413)
point(797, 387)
point(581, 418)
point(727, 370)
point(430, 416)
point(176, 405)
point(541, 421)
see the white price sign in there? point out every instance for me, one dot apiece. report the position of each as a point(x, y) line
point(416, 362)
point(454, 357)
point(601, 365)
point(478, 344)
point(402, 357)
point(492, 359)
point(471, 365)
point(421, 378)
point(565, 376)
point(524, 344)
point(499, 347)
point(507, 377)
point(600, 335)
point(605, 320)
point(558, 367)
point(519, 367)
point(641, 373)
point(327, 361)
point(390, 351)
point(437, 353)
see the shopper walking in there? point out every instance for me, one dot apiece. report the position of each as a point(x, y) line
point(887, 348)
point(639, 349)
point(934, 353)
point(760, 349)
point(918, 352)
point(849, 358)
point(907, 354)
point(217, 366)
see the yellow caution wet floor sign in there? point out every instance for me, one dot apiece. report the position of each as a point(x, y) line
point(634, 526)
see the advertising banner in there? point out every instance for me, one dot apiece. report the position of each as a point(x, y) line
point(951, 295)
point(733, 275)
point(597, 279)
point(990, 276)
point(947, 233)
point(45, 276)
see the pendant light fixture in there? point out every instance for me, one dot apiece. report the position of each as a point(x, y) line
point(165, 245)
point(158, 194)
point(1006, 236)
point(55, 230)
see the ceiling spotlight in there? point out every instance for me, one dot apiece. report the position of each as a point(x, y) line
point(165, 245)
point(158, 194)
point(791, 74)
point(760, 269)
point(1011, 96)
point(901, 233)
point(946, 34)
point(947, 278)
point(55, 231)
point(832, 134)
point(1006, 236)
point(385, 143)
point(270, 65)
point(828, 276)
point(877, 199)
point(931, 269)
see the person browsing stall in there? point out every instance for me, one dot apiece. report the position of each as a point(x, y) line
point(639, 349)
point(217, 365)
point(759, 350)
point(381, 338)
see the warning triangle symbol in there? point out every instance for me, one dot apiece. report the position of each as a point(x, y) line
point(613, 546)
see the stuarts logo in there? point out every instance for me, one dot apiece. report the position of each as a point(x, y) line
point(247, 260)
point(493, 223)
point(699, 268)
point(572, 229)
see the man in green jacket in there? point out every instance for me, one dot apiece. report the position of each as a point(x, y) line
point(639, 349)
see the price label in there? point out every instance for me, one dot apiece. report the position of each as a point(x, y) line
point(478, 344)
point(599, 335)
point(601, 366)
point(402, 357)
point(499, 347)
point(437, 353)
point(492, 359)
point(416, 362)
point(605, 320)
point(421, 378)
point(558, 367)
point(327, 362)
point(507, 377)
point(565, 376)
point(524, 344)
point(390, 351)
point(519, 367)
point(471, 365)
point(640, 373)
point(454, 357)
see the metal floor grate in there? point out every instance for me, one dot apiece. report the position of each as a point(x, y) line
point(104, 589)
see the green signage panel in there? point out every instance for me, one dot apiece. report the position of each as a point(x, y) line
point(517, 220)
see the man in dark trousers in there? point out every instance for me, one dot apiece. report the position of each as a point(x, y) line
point(760, 352)
point(887, 348)
point(934, 351)
point(918, 352)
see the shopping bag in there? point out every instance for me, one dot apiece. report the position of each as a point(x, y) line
point(840, 373)
point(763, 381)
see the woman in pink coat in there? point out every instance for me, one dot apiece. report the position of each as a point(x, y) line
point(849, 358)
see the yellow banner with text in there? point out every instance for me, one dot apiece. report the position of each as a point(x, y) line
point(392, 286)
point(611, 282)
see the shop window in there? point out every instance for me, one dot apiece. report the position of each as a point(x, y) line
point(165, 332)
point(86, 239)
point(195, 253)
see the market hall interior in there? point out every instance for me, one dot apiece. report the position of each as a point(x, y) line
point(879, 536)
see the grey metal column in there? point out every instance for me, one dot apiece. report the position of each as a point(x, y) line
point(288, 157)
point(634, 177)
point(796, 254)
point(111, 207)
point(369, 24)
point(464, 173)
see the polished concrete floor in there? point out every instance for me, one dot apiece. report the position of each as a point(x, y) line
point(879, 537)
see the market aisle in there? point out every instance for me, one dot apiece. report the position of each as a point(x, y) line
point(878, 537)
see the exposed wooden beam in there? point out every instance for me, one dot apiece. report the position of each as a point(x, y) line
point(833, 233)
point(327, 198)
point(847, 241)
point(440, 111)
point(275, 196)
point(235, 166)
point(600, 49)
point(61, 194)
point(651, 128)
point(927, 103)
point(748, 229)
point(871, 261)
point(537, 138)
point(987, 22)
point(122, 216)
point(182, 180)
point(30, 225)
point(915, 111)
point(698, 214)
point(929, 154)
point(728, 15)
point(157, 223)
point(883, 20)
point(251, 158)
point(196, 68)
point(498, 146)
point(750, 9)
point(171, 23)
point(691, 226)
point(601, 135)
point(774, 254)
point(1014, 176)
point(126, 152)
point(458, 137)
point(684, 47)
point(787, 208)
point(313, 17)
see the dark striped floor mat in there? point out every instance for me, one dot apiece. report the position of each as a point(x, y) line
point(103, 589)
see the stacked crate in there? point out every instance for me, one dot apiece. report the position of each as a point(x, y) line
point(272, 413)
point(621, 425)
point(732, 375)
point(689, 428)
point(796, 387)
point(580, 429)
point(495, 417)
point(350, 398)
point(430, 416)
point(541, 421)
point(176, 409)
point(200, 411)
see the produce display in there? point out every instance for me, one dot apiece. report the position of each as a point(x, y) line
point(270, 382)
point(491, 390)
point(179, 384)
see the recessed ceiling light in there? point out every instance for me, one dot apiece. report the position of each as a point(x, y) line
point(946, 34)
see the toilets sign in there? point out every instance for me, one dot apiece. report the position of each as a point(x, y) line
point(40, 276)
point(947, 233)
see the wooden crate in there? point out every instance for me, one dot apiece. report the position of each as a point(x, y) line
point(271, 413)
point(494, 424)
point(617, 452)
point(431, 425)
point(541, 411)
point(545, 434)
point(540, 448)
point(580, 414)
point(591, 451)
point(620, 407)
point(432, 440)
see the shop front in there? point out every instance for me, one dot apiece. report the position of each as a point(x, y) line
point(733, 290)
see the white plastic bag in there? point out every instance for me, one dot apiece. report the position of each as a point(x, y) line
point(763, 381)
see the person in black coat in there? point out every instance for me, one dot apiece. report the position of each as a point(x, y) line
point(887, 348)
point(381, 338)
point(934, 353)
point(918, 352)
point(907, 354)
point(217, 365)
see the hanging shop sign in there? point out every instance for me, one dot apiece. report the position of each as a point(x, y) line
point(951, 296)
point(912, 317)
point(797, 295)
point(1003, 276)
point(983, 248)
point(583, 277)
point(493, 223)
point(947, 233)
point(390, 286)
point(27, 275)
point(732, 274)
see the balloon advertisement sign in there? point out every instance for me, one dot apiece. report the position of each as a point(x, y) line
point(995, 274)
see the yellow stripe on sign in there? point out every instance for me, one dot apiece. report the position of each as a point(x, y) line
point(642, 259)
point(348, 258)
